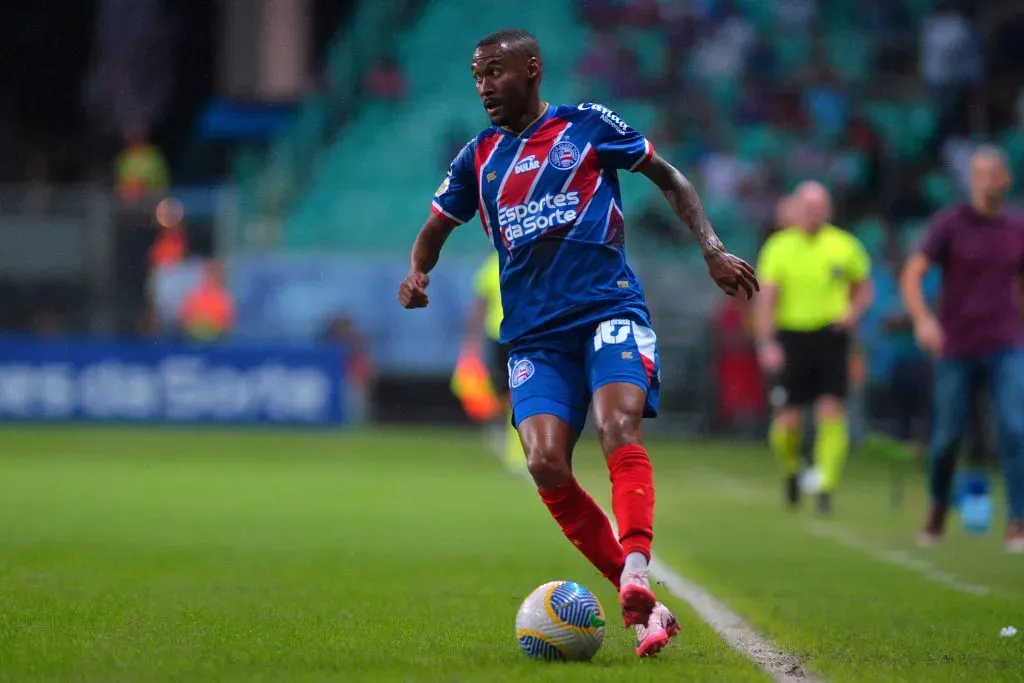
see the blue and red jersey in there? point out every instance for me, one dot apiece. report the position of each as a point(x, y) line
point(549, 200)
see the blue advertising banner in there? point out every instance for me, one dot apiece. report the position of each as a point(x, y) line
point(94, 380)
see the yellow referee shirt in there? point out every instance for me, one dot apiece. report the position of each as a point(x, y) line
point(486, 284)
point(813, 273)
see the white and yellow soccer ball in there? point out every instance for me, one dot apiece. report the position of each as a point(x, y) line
point(560, 620)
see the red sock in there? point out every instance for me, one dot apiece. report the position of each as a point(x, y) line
point(632, 477)
point(588, 528)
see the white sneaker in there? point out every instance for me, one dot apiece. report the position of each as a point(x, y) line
point(661, 628)
point(810, 481)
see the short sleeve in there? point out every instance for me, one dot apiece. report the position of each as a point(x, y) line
point(769, 262)
point(456, 197)
point(935, 243)
point(618, 145)
point(859, 268)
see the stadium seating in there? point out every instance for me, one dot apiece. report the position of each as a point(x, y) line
point(373, 187)
point(367, 188)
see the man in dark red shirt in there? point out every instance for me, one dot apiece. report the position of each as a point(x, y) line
point(977, 336)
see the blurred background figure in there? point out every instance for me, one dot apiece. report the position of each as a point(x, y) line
point(976, 334)
point(815, 289)
point(141, 167)
point(360, 372)
point(485, 317)
point(207, 312)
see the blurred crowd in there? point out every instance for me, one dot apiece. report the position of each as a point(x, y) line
point(883, 100)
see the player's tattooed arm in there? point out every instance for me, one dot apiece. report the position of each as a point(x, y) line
point(731, 273)
point(426, 251)
point(682, 197)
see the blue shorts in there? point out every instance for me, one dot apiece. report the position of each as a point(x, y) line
point(557, 375)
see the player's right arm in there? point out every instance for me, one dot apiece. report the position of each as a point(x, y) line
point(454, 204)
point(933, 249)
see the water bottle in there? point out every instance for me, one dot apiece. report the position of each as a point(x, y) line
point(976, 505)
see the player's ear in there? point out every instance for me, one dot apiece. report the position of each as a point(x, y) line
point(533, 67)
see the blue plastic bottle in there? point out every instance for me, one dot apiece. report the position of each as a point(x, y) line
point(976, 505)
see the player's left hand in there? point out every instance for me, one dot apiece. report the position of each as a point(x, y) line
point(412, 293)
point(732, 274)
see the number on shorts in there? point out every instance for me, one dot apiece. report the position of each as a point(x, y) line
point(612, 332)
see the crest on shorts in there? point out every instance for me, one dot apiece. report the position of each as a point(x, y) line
point(564, 156)
point(521, 371)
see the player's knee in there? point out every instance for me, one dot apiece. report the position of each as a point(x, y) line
point(618, 429)
point(548, 466)
point(829, 408)
point(787, 419)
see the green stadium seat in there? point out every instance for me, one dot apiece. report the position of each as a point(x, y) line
point(850, 52)
point(939, 189)
point(871, 231)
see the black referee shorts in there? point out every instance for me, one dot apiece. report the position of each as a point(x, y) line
point(816, 364)
point(496, 358)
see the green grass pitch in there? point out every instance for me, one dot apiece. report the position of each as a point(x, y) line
point(202, 555)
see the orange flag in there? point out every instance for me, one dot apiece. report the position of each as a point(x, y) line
point(472, 387)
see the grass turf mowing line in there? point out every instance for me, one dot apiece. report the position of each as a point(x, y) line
point(153, 555)
point(899, 558)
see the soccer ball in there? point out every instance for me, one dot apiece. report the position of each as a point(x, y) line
point(560, 620)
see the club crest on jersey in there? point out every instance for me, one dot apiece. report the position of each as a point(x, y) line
point(564, 156)
point(443, 187)
point(530, 163)
point(521, 371)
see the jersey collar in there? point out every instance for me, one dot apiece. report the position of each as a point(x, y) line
point(528, 131)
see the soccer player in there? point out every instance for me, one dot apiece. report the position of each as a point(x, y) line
point(486, 314)
point(545, 180)
point(979, 248)
point(817, 287)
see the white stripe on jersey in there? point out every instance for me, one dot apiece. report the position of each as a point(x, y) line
point(504, 179)
point(579, 218)
point(544, 164)
point(480, 192)
point(458, 221)
point(583, 158)
point(643, 157)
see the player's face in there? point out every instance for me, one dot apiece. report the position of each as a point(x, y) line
point(502, 83)
point(989, 177)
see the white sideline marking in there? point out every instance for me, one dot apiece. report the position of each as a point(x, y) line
point(898, 558)
point(781, 666)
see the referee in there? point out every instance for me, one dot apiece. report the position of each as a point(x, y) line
point(486, 315)
point(815, 288)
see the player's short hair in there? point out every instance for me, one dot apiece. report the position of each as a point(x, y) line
point(992, 152)
point(516, 39)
